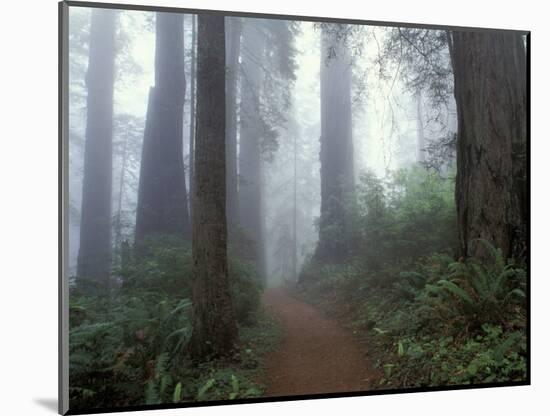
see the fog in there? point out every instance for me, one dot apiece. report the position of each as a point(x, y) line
point(385, 130)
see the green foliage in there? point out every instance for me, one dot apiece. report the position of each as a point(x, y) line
point(129, 348)
point(177, 393)
point(118, 344)
point(227, 385)
point(158, 386)
point(428, 319)
point(472, 293)
point(246, 291)
point(161, 264)
point(446, 323)
point(407, 217)
point(166, 267)
point(490, 356)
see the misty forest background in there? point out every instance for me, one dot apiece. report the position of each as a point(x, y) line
point(377, 173)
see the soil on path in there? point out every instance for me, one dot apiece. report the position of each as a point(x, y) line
point(317, 354)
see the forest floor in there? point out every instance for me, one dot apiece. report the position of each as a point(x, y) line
point(317, 355)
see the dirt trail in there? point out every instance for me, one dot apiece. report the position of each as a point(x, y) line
point(317, 355)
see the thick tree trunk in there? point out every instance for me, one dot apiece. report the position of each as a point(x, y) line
point(214, 326)
point(162, 198)
point(295, 214)
point(122, 183)
point(250, 197)
point(233, 46)
point(94, 257)
point(490, 91)
point(337, 174)
point(192, 108)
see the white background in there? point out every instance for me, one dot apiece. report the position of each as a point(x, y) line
point(28, 218)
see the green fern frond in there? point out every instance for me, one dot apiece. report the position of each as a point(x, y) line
point(176, 397)
point(161, 365)
point(204, 389)
point(165, 383)
point(151, 393)
point(456, 290)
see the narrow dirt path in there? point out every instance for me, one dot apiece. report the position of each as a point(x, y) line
point(317, 355)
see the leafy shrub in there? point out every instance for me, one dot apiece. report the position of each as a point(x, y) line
point(114, 344)
point(128, 347)
point(491, 356)
point(160, 264)
point(473, 293)
point(442, 323)
point(225, 384)
point(166, 267)
point(246, 290)
point(402, 219)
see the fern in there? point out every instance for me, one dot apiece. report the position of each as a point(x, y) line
point(158, 387)
point(204, 388)
point(129, 349)
point(176, 397)
point(473, 292)
point(151, 393)
point(234, 387)
point(165, 383)
point(456, 290)
point(504, 347)
point(161, 365)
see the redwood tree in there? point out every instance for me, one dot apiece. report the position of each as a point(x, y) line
point(490, 91)
point(233, 46)
point(337, 177)
point(251, 134)
point(267, 74)
point(162, 197)
point(192, 107)
point(94, 257)
point(214, 326)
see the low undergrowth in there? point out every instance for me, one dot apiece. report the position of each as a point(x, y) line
point(443, 323)
point(129, 347)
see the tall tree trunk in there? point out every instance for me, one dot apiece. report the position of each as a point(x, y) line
point(250, 197)
point(192, 109)
point(214, 326)
point(94, 257)
point(262, 268)
point(233, 46)
point(420, 142)
point(295, 214)
point(118, 223)
point(490, 91)
point(162, 198)
point(337, 174)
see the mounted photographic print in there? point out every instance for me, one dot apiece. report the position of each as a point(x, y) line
point(265, 208)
